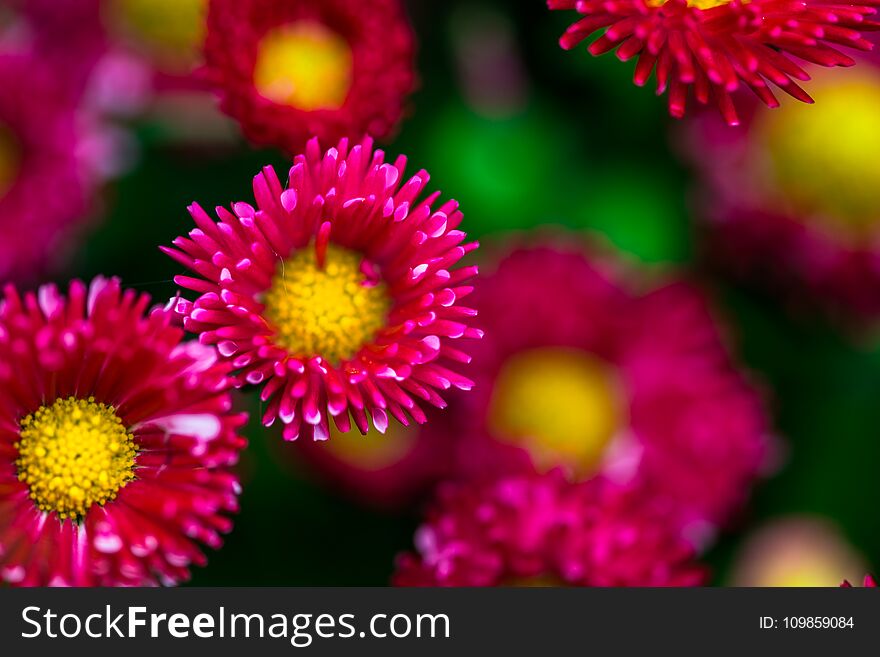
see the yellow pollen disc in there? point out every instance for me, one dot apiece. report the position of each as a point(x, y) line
point(73, 454)
point(305, 65)
point(823, 157)
point(10, 159)
point(171, 32)
point(373, 451)
point(330, 312)
point(562, 405)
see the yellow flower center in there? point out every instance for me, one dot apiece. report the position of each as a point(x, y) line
point(798, 575)
point(562, 405)
point(535, 582)
point(797, 552)
point(305, 65)
point(171, 32)
point(696, 4)
point(330, 311)
point(73, 454)
point(10, 159)
point(823, 158)
point(373, 451)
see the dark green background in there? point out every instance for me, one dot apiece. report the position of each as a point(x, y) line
point(590, 152)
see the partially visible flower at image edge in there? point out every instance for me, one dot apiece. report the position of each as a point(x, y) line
point(299, 69)
point(67, 33)
point(791, 202)
point(869, 583)
point(539, 530)
point(795, 550)
point(45, 186)
point(132, 55)
point(718, 46)
point(339, 294)
point(116, 440)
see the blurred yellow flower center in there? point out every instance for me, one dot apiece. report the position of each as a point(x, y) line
point(562, 405)
point(697, 4)
point(535, 582)
point(73, 454)
point(330, 311)
point(172, 32)
point(10, 159)
point(823, 158)
point(800, 575)
point(797, 551)
point(305, 65)
point(373, 451)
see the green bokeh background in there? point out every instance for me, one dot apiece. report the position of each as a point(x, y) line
point(587, 151)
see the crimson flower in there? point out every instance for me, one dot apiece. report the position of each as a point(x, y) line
point(718, 46)
point(116, 440)
point(289, 71)
point(339, 294)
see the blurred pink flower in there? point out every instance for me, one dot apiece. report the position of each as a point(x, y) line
point(300, 69)
point(46, 180)
point(125, 56)
point(581, 372)
point(792, 200)
point(141, 425)
point(539, 530)
point(66, 34)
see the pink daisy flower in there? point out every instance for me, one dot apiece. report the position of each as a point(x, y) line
point(339, 294)
point(115, 441)
point(387, 472)
point(869, 583)
point(331, 69)
point(44, 187)
point(792, 200)
point(715, 47)
point(584, 374)
point(538, 530)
